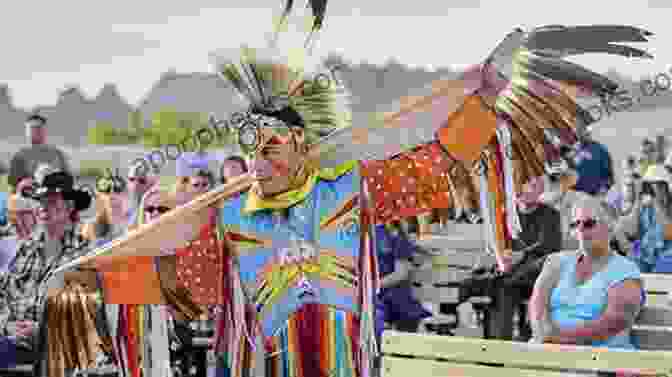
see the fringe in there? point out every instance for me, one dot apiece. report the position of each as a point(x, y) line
point(486, 208)
point(368, 349)
point(72, 338)
point(506, 150)
point(160, 351)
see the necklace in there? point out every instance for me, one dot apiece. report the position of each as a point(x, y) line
point(595, 265)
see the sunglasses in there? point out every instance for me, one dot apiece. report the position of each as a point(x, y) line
point(586, 223)
point(113, 189)
point(139, 180)
point(200, 184)
point(251, 139)
point(156, 209)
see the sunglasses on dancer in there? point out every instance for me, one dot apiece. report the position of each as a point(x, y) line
point(160, 210)
point(200, 184)
point(264, 131)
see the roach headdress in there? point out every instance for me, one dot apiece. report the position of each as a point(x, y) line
point(278, 85)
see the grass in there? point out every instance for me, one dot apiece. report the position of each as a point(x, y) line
point(94, 168)
point(4, 186)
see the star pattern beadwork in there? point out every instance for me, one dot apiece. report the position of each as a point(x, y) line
point(298, 263)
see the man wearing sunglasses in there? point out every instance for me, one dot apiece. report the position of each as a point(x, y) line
point(541, 235)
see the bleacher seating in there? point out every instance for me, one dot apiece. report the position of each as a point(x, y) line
point(431, 355)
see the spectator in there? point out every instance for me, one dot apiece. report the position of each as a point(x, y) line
point(231, 167)
point(630, 165)
point(661, 148)
point(157, 201)
point(396, 304)
point(194, 174)
point(647, 155)
point(111, 205)
point(589, 296)
point(20, 210)
point(140, 180)
point(540, 236)
point(3, 208)
point(162, 270)
point(26, 160)
point(53, 243)
point(649, 222)
point(561, 195)
point(621, 199)
point(668, 164)
point(594, 167)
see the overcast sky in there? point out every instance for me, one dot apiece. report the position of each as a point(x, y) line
point(88, 43)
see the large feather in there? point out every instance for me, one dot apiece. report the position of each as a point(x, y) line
point(540, 52)
point(573, 40)
point(318, 9)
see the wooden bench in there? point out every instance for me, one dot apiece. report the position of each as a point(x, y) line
point(653, 329)
point(425, 355)
point(436, 277)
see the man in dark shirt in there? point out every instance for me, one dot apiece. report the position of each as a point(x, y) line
point(26, 160)
point(594, 166)
point(541, 235)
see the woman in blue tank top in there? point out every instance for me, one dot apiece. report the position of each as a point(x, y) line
point(590, 296)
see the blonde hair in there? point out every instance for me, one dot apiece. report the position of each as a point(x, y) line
point(167, 198)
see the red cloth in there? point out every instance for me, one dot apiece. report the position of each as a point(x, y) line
point(200, 267)
point(409, 184)
point(132, 340)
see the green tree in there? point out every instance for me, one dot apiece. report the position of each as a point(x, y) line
point(136, 125)
point(169, 126)
point(103, 133)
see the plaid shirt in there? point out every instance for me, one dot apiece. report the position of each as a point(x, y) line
point(21, 291)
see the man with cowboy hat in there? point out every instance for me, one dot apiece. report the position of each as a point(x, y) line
point(53, 243)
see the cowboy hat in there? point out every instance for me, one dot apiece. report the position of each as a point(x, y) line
point(48, 179)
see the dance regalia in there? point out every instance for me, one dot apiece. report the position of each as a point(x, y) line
point(298, 270)
point(301, 263)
